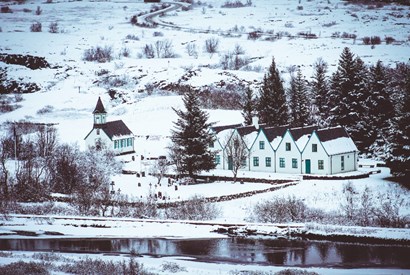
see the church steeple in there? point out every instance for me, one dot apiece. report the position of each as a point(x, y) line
point(100, 115)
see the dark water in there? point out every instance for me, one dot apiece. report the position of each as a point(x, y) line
point(234, 250)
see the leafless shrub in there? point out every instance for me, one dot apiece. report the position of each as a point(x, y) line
point(53, 27)
point(38, 10)
point(196, 208)
point(299, 8)
point(389, 40)
point(158, 34)
point(35, 27)
point(280, 210)
point(348, 35)
point(231, 61)
point(99, 54)
point(125, 52)
point(191, 49)
point(6, 9)
point(211, 45)
point(46, 109)
point(164, 49)
point(148, 51)
point(254, 35)
point(236, 4)
point(172, 267)
point(327, 25)
point(132, 37)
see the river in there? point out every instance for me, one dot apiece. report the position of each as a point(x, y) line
point(279, 252)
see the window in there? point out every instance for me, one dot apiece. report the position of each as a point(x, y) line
point(314, 147)
point(98, 132)
point(288, 147)
point(268, 162)
point(261, 145)
point(115, 144)
point(243, 162)
point(342, 162)
point(282, 162)
point(122, 143)
point(320, 164)
point(217, 159)
point(255, 161)
point(211, 144)
point(294, 163)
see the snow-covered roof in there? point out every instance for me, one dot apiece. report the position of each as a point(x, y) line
point(301, 135)
point(336, 140)
point(275, 134)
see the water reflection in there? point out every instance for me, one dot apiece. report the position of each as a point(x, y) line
point(271, 252)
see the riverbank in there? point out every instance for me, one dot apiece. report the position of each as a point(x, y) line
point(40, 226)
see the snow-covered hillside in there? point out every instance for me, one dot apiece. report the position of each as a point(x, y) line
point(71, 86)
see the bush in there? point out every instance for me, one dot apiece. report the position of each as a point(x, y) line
point(6, 9)
point(23, 268)
point(389, 40)
point(38, 10)
point(254, 35)
point(45, 110)
point(132, 37)
point(236, 4)
point(290, 209)
point(196, 208)
point(211, 45)
point(172, 267)
point(375, 40)
point(125, 52)
point(98, 54)
point(90, 266)
point(36, 27)
point(134, 20)
point(366, 40)
point(53, 27)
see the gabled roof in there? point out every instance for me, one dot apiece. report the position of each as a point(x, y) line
point(218, 129)
point(336, 140)
point(331, 133)
point(274, 132)
point(297, 133)
point(99, 108)
point(116, 128)
point(246, 130)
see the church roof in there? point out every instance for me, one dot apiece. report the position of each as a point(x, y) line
point(99, 108)
point(116, 128)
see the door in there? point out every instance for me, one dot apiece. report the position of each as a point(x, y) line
point(230, 163)
point(307, 166)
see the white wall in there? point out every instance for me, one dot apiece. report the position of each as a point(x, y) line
point(255, 151)
point(349, 163)
point(315, 157)
point(93, 138)
point(294, 153)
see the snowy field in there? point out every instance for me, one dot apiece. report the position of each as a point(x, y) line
point(73, 86)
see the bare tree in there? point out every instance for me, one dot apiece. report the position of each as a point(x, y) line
point(192, 50)
point(159, 169)
point(211, 45)
point(236, 152)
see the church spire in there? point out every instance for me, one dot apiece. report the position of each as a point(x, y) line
point(100, 115)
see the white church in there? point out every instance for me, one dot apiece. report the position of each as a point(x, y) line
point(114, 134)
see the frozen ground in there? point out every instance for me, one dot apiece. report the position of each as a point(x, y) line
point(72, 90)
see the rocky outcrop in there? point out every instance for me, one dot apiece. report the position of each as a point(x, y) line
point(28, 61)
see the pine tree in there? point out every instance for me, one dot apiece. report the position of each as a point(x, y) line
point(272, 107)
point(348, 95)
point(248, 106)
point(399, 160)
point(191, 138)
point(319, 89)
point(380, 109)
point(298, 101)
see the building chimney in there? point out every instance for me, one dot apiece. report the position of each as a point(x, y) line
point(255, 122)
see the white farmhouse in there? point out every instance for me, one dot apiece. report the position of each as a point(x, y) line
point(329, 151)
point(221, 136)
point(289, 152)
point(262, 152)
point(114, 134)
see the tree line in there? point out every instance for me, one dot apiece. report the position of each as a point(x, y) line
point(34, 165)
point(371, 102)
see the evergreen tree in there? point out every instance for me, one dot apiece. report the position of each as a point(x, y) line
point(298, 101)
point(399, 160)
point(319, 90)
point(380, 108)
point(348, 95)
point(248, 106)
point(272, 105)
point(191, 138)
